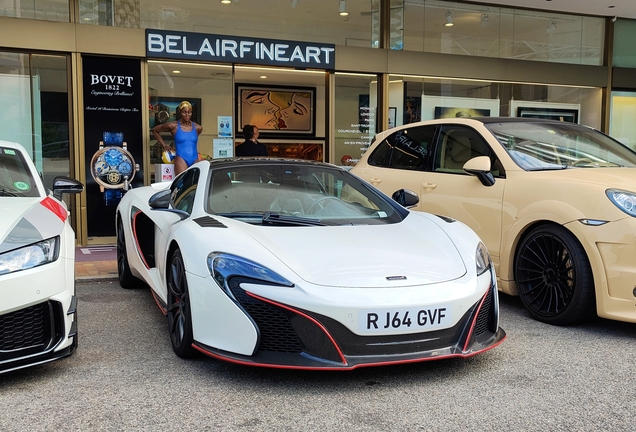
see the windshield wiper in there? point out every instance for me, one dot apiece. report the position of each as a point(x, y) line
point(272, 218)
point(5, 192)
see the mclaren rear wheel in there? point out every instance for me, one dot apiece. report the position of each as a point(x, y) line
point(554, 277)
point(179, 315)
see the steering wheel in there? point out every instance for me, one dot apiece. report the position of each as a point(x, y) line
point(320, 202)
point(582, 160)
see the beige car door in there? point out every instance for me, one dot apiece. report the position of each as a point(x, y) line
point(447, 190)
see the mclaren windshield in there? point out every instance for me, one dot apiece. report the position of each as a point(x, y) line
point(297, 194)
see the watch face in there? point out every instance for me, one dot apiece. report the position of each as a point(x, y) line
point(113, 156)
point(111, 166)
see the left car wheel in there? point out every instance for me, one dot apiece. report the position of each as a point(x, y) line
point(179, 315)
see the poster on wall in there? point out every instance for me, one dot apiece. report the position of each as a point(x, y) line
point(222, 148)
point(225, 126)
point(113, 137)
point(452, 112)
point(276, 111)
point(559, 114)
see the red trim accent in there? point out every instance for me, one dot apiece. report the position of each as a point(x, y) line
point(342, 357)
point(156, 299)
point(134, 233)
point(396, 362)
point(472, 326)
point(55, 207)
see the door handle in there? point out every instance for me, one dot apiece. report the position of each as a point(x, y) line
point(429, 186)
point(375, 180)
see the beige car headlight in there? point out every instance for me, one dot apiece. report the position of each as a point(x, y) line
point(626, 201)
point(30, 256)
point(482, 258)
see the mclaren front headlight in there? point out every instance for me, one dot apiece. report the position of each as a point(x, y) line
point(37, 254)
point(223, 266)
point(626, 201)
point(482, 258)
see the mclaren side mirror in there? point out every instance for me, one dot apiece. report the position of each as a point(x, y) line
point(480, 168)
point(66, 185)
point(406, 198)
point(161, 201)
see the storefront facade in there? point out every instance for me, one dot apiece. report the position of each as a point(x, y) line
point(317, 83)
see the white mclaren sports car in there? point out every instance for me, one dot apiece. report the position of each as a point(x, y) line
point(297, 264)
point(37, 264)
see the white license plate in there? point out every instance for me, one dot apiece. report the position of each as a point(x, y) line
point(411, 320)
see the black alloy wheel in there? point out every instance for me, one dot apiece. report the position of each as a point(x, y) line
point(126, 278)
point(554, 277)
point(179, 316)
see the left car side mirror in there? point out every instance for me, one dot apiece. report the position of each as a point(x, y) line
point(66, 185)
point(480, 168)
point(406, 198)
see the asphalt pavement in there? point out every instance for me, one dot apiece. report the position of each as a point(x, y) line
point(125, 377)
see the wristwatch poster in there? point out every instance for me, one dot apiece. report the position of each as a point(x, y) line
point(113, 167)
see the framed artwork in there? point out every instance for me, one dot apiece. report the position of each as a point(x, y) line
point(560, 114)
point(276, 111)
point(163, 109)
point(453, 112)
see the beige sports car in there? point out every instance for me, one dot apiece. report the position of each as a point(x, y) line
point(554, 202)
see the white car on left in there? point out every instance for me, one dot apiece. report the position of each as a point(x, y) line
point(37, 264)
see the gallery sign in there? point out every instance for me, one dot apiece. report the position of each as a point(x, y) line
point(167, 44)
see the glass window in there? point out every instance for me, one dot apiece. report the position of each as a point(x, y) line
point(47, 10)
point(624, 50)
point(355, 113)
point(15, 176)
point(486, 31)
point(427, 98)
point(34, 91)
point(622, 124)
point(296, 194)
point(183, 190)
point(405, 149)
point(456, 146)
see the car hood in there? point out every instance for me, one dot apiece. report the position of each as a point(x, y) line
point(414, 252)
point(25, 221)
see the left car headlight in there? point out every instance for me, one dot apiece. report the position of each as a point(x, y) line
point(482, 258)
point(223, 266)
point(30, 256)
point(626, 201)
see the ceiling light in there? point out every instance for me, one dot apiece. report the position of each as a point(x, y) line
point(551, 27)
point(342, 9)
point(226, 1)
point(294, 3)
point(176, 71)
point(449, 19)
point(263, 77)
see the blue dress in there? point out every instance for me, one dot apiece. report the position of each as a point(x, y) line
point(186, 144)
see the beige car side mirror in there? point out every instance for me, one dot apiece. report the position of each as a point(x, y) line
point(480, 167)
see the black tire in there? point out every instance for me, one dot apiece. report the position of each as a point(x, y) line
point(126, 278)
point(554, 277)
point(179, 315)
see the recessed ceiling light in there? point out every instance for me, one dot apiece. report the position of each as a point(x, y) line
point(226, 1)
point(176, 71)
point(263, 77)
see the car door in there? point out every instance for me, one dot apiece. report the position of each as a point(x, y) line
point(446, 189)
point(428, 159)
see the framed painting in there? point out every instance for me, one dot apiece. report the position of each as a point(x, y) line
point(276, 111)
point(454, 112)
point(163, 109)
point(559, 114)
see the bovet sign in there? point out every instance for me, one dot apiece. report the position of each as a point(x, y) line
point(168, 44)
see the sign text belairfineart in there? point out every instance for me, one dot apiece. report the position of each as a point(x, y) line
point(229, 49)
